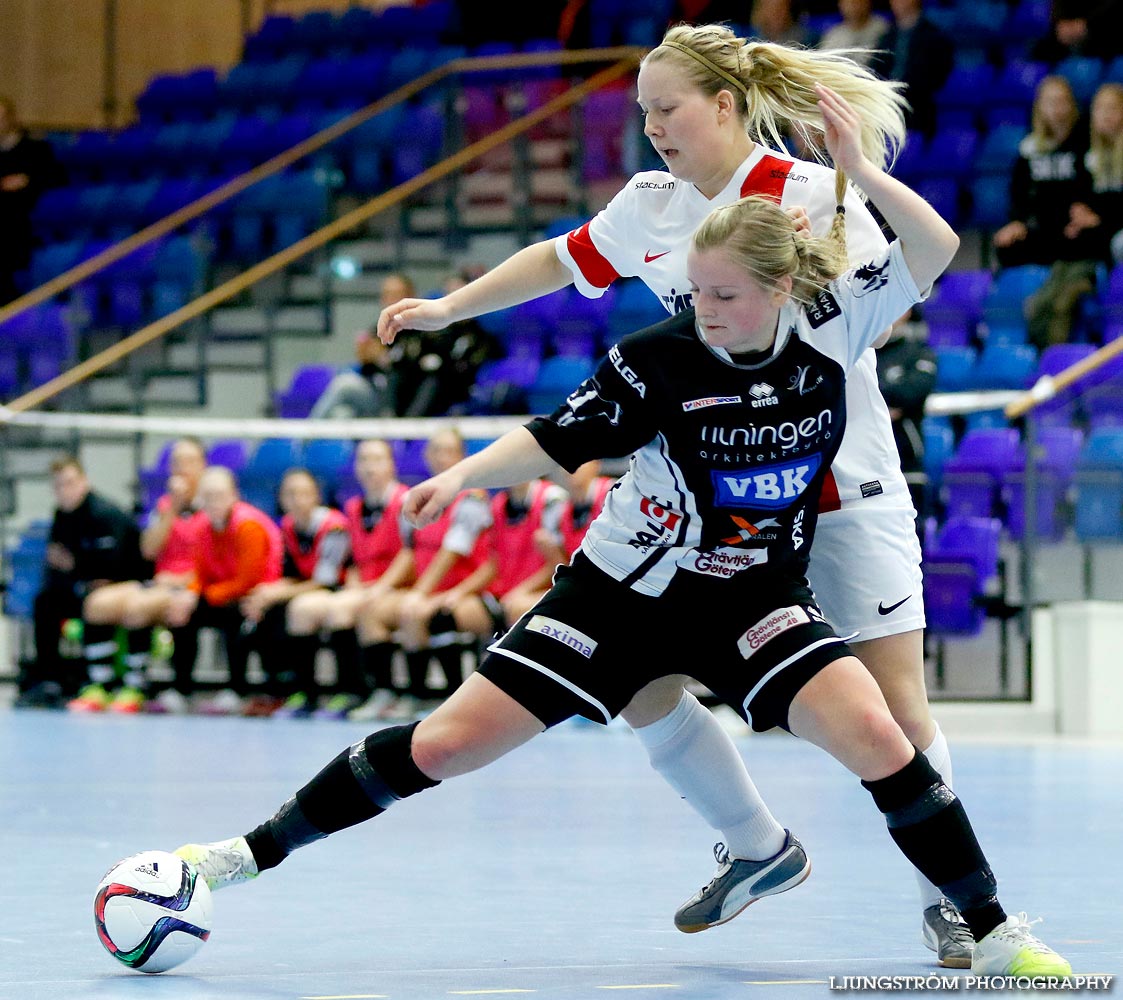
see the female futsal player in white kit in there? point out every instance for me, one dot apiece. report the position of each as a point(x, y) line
point(705, 93)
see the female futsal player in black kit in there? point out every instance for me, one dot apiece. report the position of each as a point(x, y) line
point(732, 412)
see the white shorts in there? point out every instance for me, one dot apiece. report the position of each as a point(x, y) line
point(865, 569)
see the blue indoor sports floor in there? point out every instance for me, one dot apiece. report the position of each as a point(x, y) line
point(553, 874)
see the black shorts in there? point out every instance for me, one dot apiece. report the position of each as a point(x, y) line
point(591, 643)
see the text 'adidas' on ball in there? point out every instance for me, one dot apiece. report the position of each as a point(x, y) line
point(152, 912)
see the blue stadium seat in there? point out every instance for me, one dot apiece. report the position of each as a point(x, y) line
point(152, 479)
point(951, 152)
point(954, 367)
point(329, 461)
point(635, 308)
point(1084, 74)
point(1017, 82)
point(417, 142)
point(1098, 480)
point(409, 457)
point(960, 569)
point(943, 194)
point(272, 39)
point(972, 476)
point(306, 385)
point(958, 298)
point(557, 378)
point(939, 446)
point(1058, 452)
point(231, 454)
point(1009, 291)
point(1002, 365)
point(990, 201)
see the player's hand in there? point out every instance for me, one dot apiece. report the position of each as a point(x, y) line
point(179, 491)
point(181, 606)
point(843, 130)
point(257, 602)
point(60, 557)
point(423, 504)
point(1011, 233)
point(412, 314)
point(798, 215)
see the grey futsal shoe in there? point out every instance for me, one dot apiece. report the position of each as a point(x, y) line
point(947, 934)
point(737, 883)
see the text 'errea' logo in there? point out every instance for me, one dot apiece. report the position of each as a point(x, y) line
point(769, 486)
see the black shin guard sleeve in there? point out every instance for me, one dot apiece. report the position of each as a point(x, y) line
point(361, 782)
point(928, 823)
point(376, 665)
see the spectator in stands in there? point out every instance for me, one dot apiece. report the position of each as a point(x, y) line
point(365, 390)
point(1102, 218)
point(433, 374)
point(426, 376)
point(528, 535)
point(906, 375)
point(1048, 181)
point(168, 540)
point(317, 548)
point(860, 28)
point(28, 166)
point(445, 562)
point(919, 54)
point(237, 547)
point(774, 21)
point(375, 541)
point(92, 543)
point(588, 489)
point(1080, 28)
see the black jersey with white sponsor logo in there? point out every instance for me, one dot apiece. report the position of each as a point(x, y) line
point(728, 454)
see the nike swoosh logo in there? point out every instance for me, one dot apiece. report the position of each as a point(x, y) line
point(649, 256)
point(883, 610)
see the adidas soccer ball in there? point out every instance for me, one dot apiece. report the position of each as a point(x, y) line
point(152, 911)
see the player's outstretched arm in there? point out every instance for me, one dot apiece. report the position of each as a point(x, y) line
point(529, 274)
point(515, 458)
point(928, 243)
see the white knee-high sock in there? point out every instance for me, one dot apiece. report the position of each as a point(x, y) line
point(697, 758)
point(939, 756)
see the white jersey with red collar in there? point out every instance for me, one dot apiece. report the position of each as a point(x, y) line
point(645, 232)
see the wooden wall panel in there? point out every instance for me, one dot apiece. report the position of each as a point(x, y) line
point(53, 53)
point(155, 36)
point(52, 60)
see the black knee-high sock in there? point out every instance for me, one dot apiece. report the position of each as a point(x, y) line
point(136, 660)
point(450, 658)
point(345, 651)
point(363, 781)
point(417, 663)
point(929, 825)
point(376, 666)
point(299, 673)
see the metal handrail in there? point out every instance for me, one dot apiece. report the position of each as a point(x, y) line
point(235, 186)
point(1046, 387)
point(315, 240)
